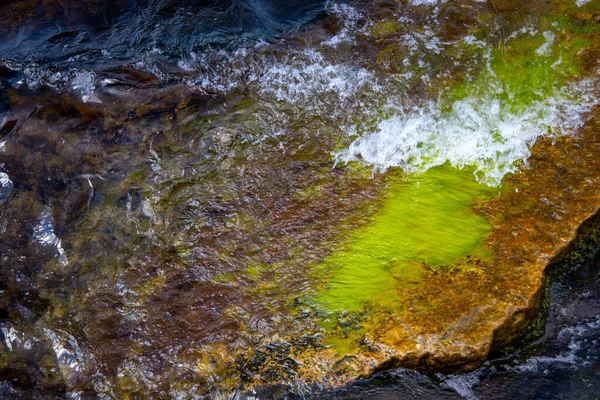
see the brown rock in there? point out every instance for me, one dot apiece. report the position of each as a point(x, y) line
point(506, 5)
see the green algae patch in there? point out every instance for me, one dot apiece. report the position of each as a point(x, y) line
point(530, 67)
point(425, 222)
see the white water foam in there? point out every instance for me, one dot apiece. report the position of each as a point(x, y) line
point(479, 132)
point(309, 78)
point(425, 2)
point(463, 384)
point(11, 337)
point(351, 17)
point(6, 186)
point(546, 47)
point(84, 82)
point(36, 76)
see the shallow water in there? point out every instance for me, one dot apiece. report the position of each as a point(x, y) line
point(182, 182)
point(563, 364)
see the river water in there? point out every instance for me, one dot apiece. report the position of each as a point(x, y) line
point(178, 180)
point(562, 364)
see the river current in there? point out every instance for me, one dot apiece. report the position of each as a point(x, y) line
point(180, 180)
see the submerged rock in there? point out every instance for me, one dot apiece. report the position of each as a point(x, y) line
point(316, 212)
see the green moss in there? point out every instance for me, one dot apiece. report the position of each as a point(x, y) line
point(530, 68)
point(571, 25)
point(137, 177)
point(384, 28)
point(425, 220)
point(590, 7)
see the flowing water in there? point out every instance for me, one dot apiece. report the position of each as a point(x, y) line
point(562, 364)
point(184, 181)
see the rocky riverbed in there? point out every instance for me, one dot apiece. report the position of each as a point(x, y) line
point(384, 187)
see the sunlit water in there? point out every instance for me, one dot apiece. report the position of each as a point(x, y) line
point(179, 181)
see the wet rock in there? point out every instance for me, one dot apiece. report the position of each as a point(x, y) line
point(506, 5)
point(195, 226)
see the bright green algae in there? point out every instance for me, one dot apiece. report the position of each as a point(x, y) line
point(530, 67)
point(426, 221)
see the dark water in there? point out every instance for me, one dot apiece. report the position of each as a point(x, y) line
point(104, 32)
point(65, 44)
point(134, 199)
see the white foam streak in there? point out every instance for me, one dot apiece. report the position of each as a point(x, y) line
point(11, 336)
point(351, 18)
point(546, 48)
point(425, 2)
point(309, 77)
point(463, 384)
point(6, 186)
point(576, 336)
point(477, 132)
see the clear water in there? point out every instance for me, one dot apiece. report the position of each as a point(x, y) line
point(181, 180)
point(562, 364)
